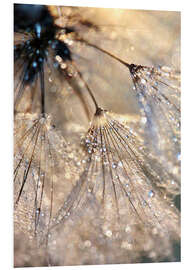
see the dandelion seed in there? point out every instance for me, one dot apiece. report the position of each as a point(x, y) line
point(37, 171)
point(160, 106)
point(110, 183)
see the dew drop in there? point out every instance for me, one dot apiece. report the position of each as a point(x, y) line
point(143, 81)
point(34, 64)
point(87, 243)
point(114, 165)
point(120, 164)
point(108, 233)
point(56, 65)
point(89, 150)
point(179, 156)
point(38, 29)
point(26, 77)
point(143, 120)
point(151, 194)
point(87, 141)
point(144, 203)
point(128, 228)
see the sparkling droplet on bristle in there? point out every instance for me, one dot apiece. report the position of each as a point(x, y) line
point(179, 156)
point(151, 194)
point(114, 165)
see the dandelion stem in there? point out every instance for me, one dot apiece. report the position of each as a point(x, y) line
point(42, 91)
point(104, 51)
point(87, 87)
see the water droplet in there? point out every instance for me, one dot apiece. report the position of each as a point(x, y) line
point(151, 194)
point(58, 58)
point(54, 45)
point(89, 150)
point(143, 81)
point(42, 138)
point(56, 65)
point(120, 164)
point(26, 162)
point(179, 156)
point(147, 109)
point(108, 233)
point(114, 165)
point(34, 64)
point(128, 228)
point(26, 77)
point(38, 29)
point(143, 120)
point(144, 203)
point(87, 243)
point(87, 141)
